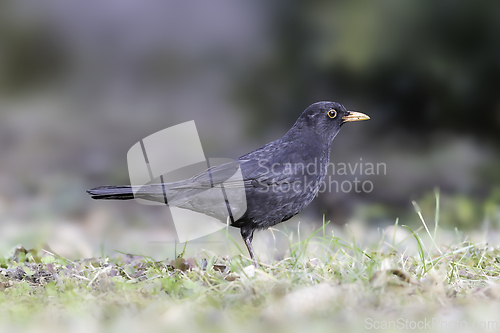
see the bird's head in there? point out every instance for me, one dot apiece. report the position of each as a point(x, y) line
point(325, 119)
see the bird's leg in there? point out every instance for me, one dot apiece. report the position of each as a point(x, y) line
point(247, 235)
point(248, 243)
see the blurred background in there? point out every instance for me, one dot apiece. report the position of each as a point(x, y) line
point(81, 82)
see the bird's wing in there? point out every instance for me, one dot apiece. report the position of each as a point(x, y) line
point(270, 165)
point(259, 174)
point(264, 167)
point(222, 174)
point(261, 167)
point(254, 173)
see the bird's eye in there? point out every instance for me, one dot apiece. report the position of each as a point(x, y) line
point(332, 113)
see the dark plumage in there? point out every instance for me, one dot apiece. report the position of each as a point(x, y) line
point(278, 183)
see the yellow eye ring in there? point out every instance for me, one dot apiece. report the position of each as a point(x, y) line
point(332, 113)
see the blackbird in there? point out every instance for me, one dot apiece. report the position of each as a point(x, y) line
point(280, 178)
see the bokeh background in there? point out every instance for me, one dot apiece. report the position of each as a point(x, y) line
point(81, 82)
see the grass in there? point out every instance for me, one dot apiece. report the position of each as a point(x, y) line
point(323, 283)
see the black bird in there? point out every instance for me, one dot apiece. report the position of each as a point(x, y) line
point(280, 178)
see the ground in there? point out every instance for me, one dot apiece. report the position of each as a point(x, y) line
point(324, 283)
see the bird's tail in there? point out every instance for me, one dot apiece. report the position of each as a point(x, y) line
point(152, 192)
point(122, 192)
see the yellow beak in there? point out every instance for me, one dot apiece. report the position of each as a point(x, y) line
point(355, 116)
